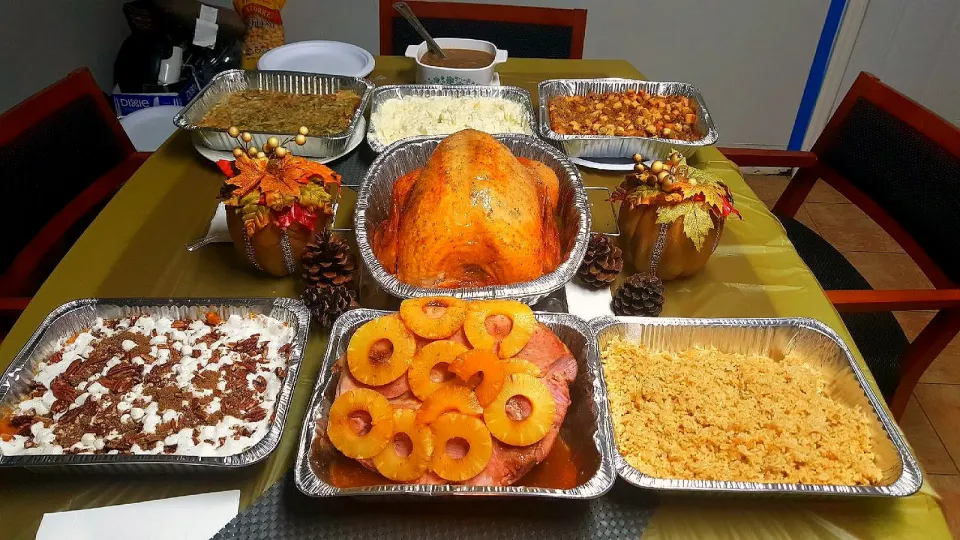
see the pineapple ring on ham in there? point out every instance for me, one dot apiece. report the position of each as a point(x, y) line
point(455, 398)
point(462, 447)
point(352, 434)
point(372, 362)
point(523, 324)
point(519, 365)
point(419, 376)
point(407, 457)
point(433, 317)
point(522, 413)
point(475, 361)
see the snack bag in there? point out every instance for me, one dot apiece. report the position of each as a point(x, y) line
point(264, 28)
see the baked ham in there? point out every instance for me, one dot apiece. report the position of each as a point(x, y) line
point(507, 463)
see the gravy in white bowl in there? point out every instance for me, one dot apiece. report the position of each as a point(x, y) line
point(458, 59)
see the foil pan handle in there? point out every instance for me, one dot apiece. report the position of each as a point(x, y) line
point(613, 210)
point(336, 212)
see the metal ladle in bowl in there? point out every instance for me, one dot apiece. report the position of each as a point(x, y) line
point(403, 9)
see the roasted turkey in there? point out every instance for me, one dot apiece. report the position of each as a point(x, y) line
point(473, 216)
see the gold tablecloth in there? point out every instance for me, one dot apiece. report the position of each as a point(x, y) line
point(136, 248)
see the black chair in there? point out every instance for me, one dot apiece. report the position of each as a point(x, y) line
point(525, 32)
point(900, 164)
point(64, 155)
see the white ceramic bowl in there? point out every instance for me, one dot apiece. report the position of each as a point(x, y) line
point(442, 75)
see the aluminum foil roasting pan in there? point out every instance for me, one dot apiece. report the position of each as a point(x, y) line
point(373, 205)
point(775, 338)
point(77, 315)
point(584, 429)
point(614, 146)
point(383, 94)
point(289, 82)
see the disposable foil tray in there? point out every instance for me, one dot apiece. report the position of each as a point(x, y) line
point(584, 429)
point(617, 146)
point(289, 82)
point(810, 339)
point(78, 315)
point(373, 205)
point(385, 93)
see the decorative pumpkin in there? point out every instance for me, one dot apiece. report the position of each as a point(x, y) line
point(680, 257)
point(275, 201)
point(266, 245)
point(671, 216)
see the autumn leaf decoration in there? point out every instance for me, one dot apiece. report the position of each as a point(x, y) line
point(274, 186)
point(679, 191)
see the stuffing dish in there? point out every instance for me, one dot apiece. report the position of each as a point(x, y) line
point(701, 414)
point(267, 111)
point(146, 385)
point(449, 391)
point(474, 215)
point(627, 114)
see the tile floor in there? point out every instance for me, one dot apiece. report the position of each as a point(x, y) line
point(932, 420)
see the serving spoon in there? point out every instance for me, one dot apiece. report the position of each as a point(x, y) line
point(403, 9)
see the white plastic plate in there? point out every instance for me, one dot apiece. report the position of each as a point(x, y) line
point(319, 56)
point(149, 128)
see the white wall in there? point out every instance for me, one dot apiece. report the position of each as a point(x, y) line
point(43, 40)
point(913, 46)
point(749, 57)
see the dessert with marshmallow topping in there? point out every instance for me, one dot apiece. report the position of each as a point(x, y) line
point(147, 385)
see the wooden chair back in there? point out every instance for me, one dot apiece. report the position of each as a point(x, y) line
point(54, 149)
point(525, 32)
point(900, 163)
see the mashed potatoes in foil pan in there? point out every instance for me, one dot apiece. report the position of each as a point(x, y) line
point(416, 110)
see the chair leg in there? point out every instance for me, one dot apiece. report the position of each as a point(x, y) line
point(797, 190)
point(935, 337)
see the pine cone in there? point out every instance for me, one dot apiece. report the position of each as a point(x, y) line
point(641, 294)
point(601, 264)
point(327, 260)
point(327, 302)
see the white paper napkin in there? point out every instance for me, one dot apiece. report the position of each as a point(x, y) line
point(217, 231)
point(218, 225)
point(194, 517)
point(586, 303)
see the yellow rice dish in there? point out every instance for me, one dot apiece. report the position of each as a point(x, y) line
point(706, 415)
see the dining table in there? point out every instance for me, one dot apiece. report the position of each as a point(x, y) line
point(135, 247)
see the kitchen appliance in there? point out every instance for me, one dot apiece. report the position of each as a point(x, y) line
point(175, 48)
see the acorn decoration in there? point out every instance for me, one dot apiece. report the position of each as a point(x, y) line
point(640, 295)
point(327, 302)
point(602, 263)
point(673, 181)
point(683, 207)
point(327, 260)
point(275, 200)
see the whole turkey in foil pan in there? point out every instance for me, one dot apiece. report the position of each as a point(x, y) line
point(513, 223)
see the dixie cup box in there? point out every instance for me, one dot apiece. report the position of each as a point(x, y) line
point(127, 102)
